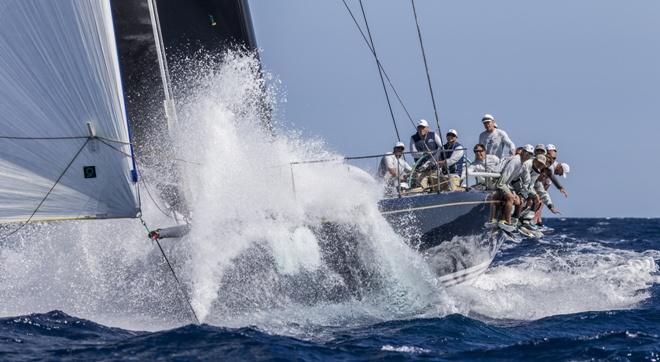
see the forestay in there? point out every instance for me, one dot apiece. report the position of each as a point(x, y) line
point(58, 72)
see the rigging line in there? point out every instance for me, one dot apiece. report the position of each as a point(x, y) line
point(115, 141)
point(113, 147)
point(48, 193)
point(141, 179)
point(380, 72)
point(64, 138)
point(43, 138)
point(186, 161)
point(428, 76)
point(146, 188)
point(364, 37)
point(181, 289)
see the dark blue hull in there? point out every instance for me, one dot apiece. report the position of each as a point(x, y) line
point(448, 228)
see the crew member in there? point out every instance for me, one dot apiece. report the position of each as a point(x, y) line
point(494, 138)
point(550, 173)
point(540, 150)
point(511, 169)
point(393, 167)
point(483, 163)
point(424, 140)
point(548, 178)
point(450, 158)
point(551, 150)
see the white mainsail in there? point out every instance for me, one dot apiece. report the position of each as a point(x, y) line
point(59, 84)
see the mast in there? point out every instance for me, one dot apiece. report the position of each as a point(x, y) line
point(170, 109)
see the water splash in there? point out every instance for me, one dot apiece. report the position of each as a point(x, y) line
point(271, 245)
point(261, 222)
point(290, 250)
point(564, 276)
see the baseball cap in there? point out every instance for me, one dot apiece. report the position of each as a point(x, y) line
point(541, 159)
point(487, 118)
point(540, 146)
point(422, 123)
point(551, 147)
point(452, 131)
point(528, 148)
point(399, 144)
point(566, 168)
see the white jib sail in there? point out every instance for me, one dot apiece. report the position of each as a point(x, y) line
point(59, 71)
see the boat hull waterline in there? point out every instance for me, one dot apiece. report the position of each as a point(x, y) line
point(448, 229)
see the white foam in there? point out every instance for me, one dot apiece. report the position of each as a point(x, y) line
point(251, 258)
point(577, 278)
point(404, 349)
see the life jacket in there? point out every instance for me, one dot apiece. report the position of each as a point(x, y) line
point(425, 144)
point(456, 168)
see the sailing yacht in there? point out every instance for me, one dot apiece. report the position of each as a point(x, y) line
point(74, 75)
point(448, 225)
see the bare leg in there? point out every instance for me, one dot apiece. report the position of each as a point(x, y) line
point(508, 207)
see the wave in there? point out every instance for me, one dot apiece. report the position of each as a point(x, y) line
point(631, 334)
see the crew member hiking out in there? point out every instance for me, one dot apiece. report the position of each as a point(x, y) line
point(511, 169)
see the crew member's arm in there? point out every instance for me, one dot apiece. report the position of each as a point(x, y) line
point(525, 178)
point(505, 175)
point(507, 141)
point(390, 162)
point(413, 149)
point(437, 139)
point(558, 185)
point(544, 195)
point(406, 165)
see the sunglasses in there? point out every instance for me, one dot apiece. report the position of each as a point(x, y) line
point(478, 150)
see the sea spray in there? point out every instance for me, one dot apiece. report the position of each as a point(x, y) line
point(249, 199)
point(562, 277)
point(258, 250)
point(289, 249)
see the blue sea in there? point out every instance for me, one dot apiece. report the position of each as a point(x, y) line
point(588, 291)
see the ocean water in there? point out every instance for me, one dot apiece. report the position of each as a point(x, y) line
point(588, 291)
point(256, 272)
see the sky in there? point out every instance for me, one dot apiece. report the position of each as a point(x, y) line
point(582, 75)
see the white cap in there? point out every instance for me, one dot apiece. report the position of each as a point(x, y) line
point(487, 118)
point(399, 144)
point(541, 159)
point(540, 146)
point(423, 123)
point(529, 148)
point(453, 131)
point(566, 168)
point(551, 147)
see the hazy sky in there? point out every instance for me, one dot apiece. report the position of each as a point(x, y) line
point(583, 75)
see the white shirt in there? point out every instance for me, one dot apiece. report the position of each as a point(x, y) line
point(511, 169)
point(496, 141)
point(391, 162)
point(489, 164)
